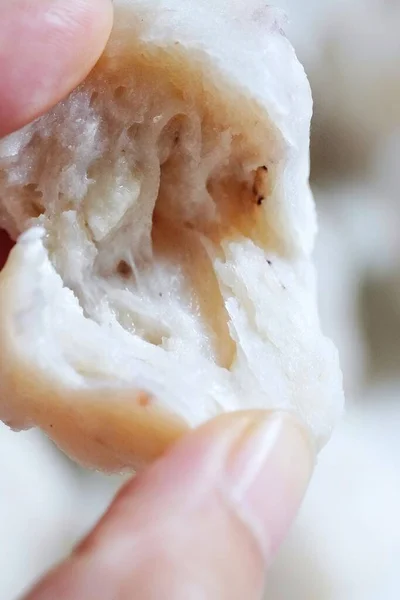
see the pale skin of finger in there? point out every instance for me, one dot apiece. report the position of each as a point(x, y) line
point(47, 47)
point(203, 522)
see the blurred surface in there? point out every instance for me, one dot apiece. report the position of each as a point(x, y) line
point(346, 542)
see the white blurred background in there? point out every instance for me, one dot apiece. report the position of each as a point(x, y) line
point(346, 542)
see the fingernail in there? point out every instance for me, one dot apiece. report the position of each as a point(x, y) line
point(267, 471)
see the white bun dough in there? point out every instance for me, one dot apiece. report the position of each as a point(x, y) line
point(162, 273)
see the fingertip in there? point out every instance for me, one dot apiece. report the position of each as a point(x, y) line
point(208, 516)
point(262, 461)
point(47, 49)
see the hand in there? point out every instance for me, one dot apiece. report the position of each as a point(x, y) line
point(206, 519)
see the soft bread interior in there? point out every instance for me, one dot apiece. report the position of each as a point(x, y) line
point(152, 260)
point(140, 183)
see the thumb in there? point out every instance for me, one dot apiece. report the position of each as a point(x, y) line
point(46, 49)
point(202, 522)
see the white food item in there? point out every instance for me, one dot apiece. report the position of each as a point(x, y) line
point(163, 275)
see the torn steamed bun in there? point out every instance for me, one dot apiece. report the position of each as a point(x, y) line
point(162, 273)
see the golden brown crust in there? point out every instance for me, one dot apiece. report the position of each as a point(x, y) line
point(114, 433)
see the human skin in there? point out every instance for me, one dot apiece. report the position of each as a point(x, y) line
point(206, 519)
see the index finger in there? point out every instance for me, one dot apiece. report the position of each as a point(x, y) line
point(47, 48)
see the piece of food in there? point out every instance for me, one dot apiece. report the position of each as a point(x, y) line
point(163, 274)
